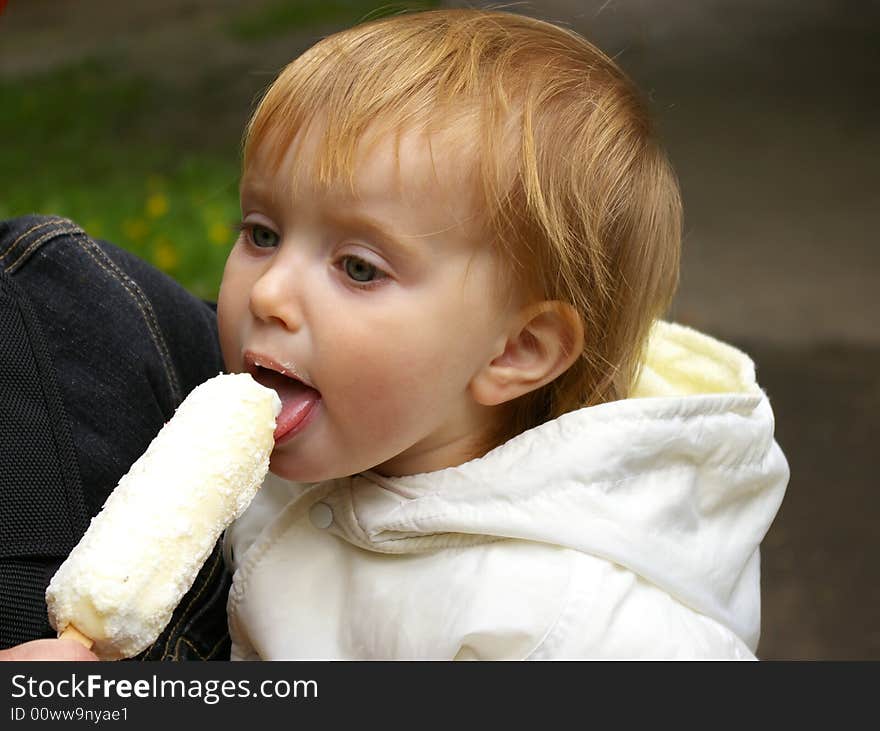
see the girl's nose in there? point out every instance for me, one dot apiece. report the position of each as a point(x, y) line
point(274, 298)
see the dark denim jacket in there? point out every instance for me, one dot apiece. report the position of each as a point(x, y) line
point(98, 348)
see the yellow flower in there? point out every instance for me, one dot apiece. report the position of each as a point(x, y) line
point(165, 256)
point(157, 205)
point(218, 234)
point(135, 228)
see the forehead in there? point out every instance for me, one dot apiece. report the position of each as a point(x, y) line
point(409, 165)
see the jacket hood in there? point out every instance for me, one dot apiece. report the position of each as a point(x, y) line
point(678, 483)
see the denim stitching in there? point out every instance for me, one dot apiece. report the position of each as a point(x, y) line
point(166, 652)
point(198, 594)
point(35, 244)
point(140, 299)
point(142, 303)
point(199, 655)
point(31, 229)
point(213, 651)
point(184, 641)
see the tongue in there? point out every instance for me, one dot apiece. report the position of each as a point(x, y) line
point(296, 398)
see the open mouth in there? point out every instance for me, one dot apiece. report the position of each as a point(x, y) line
point(298, 400)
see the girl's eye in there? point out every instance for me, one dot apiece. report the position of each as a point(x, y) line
point(360, 270)
point(263, 237)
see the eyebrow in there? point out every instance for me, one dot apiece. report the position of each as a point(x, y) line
point(340, 213)
point(357, 221)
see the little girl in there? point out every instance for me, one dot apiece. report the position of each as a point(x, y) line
point(458, 236)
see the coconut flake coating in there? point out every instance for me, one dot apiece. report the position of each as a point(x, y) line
point(142, 552)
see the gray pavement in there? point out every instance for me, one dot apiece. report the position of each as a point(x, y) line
point(820, 571)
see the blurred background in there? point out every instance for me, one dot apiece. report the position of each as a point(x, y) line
point(127, 117)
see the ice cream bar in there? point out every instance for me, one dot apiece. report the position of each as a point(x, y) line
point(141, 553)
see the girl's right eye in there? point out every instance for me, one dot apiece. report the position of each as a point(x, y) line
point(261, 237)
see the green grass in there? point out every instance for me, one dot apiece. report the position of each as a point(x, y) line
point(80, 142)
point(279, 16)
point(140, 164)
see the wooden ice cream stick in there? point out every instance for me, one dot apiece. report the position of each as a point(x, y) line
point(72, 633)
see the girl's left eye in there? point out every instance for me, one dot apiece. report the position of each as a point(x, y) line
point(262, 237)
point(361, 271)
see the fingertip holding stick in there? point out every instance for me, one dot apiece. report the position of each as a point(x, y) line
point(72, 633)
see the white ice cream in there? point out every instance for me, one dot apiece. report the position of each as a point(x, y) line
point(142, 552)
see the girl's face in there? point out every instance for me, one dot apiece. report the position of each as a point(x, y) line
point(385, 303)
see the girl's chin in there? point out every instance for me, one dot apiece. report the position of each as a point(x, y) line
point(290, 467)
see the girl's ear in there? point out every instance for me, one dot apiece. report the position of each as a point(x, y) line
point(545, 340)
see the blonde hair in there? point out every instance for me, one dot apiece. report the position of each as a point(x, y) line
point(578, 194)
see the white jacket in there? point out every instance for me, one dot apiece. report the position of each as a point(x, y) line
point(624, 530)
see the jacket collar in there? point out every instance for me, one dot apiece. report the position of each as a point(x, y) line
point(678, 484)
